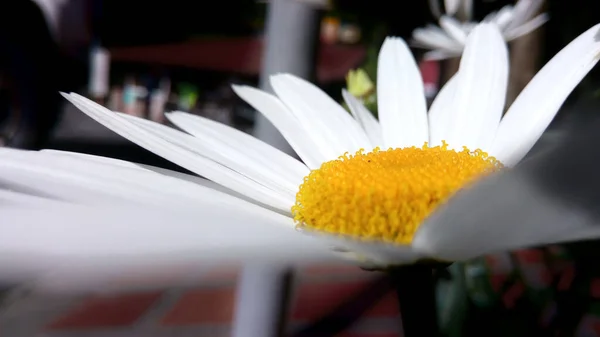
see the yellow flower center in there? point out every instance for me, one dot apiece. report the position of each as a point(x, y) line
point(385, 195)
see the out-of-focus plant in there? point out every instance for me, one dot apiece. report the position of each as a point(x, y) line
point(360, 85)
point(361, 82)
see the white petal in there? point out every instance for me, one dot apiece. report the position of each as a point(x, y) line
point(466, 9)
point(551, 197)
point(451, 6)
point(523, 11)
point(369, 254)
point(536, 106)
point(320, 114)
point(431, 37)
point(400, 96)
point(468, 27)
point(93, 180)
point(142, 167)
point(439, 30)
point(490, 17)
point(365, 118)
point(73, 238)
point(66, 179)
point(480, 90)
point(440, 112)
point(236, 140)
point(504, 17)
point(92, 158)
point(223, 154)
point(313, 150)
point(527, 27)
point(453, 28)
point(107, 175)
point(180, 156)
point(501, 213)
point(439, 55)
point(10, 199)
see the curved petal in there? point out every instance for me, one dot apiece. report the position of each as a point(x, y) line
point(400, 96)
point(469, 26)
point(523, 11)
point(309, 146)
point(365, 118)
point(527, 27)
point(440, 112)
point(504, 17)
point(451, 6)
point(369, 254)
point(236, 140)
point(161, 171)
point(178, 155)
point(503, 212)
point(12, 198)
point(490, 17)
point(435, 38)
point(454, 29)
point(538, 103)
point(480, 89)
point(76, 181)
point(439, 55)
point(223, 154)
point(320, 114)
point(93, 180)
point(71, 238)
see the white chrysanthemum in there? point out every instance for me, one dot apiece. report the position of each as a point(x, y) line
point(73, 215)
point(448, 39)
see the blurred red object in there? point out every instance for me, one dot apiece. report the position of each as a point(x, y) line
point(236, 55)
point(430, 71)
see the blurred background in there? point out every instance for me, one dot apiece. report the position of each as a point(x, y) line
point(147, 57)
point(143, 59)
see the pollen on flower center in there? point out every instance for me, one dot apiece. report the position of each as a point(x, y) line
point(385, 195)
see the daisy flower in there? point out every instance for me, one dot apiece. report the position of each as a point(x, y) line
point(448, 39)
point(363, 190)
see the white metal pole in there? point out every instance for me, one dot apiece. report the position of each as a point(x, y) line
point(291, 38)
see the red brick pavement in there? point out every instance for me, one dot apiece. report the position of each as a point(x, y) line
point(202, 310)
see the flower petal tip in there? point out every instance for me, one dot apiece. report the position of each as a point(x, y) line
point(392, 46)
point(394, 40)
point(240, 90)
point(276, 78)
point(487, 27)
point(597, 36)
point(486, 32)
point(280, 76)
